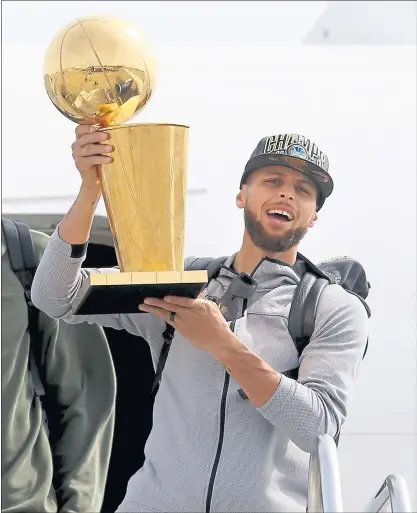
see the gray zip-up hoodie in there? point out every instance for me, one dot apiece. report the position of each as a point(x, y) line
point(210, 449)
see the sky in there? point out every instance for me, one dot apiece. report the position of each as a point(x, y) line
point(171, 22)
point(236, 72)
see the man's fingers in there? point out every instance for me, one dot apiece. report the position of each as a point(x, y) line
point(95, 137)
point(95, 160)
point(182, 301)
point(92, 149)
point(160, 303)
point(91, 144)
point(81, 130)
point(159, 312)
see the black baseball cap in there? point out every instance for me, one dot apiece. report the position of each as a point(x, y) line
point(296, 152)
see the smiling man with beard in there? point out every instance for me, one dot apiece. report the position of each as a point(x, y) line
point(284, 185)
point(281, 229)
point(232, 431)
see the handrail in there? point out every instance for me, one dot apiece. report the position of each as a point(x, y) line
point(324, 488)
point(395, 490)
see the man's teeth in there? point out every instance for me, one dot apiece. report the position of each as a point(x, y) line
point(281, 212)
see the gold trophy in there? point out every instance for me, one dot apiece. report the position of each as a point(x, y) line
point(100, 70)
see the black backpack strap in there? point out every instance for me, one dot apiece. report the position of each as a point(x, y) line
point(310, 311)
point(296, 315)
point(23, 263)
point(213, 267)
point(302, 316)
point(167, 336)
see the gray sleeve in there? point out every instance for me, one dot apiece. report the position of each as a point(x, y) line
point(317, 403)
point(57, 281)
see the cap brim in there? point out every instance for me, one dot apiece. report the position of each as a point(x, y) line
point(321, 179)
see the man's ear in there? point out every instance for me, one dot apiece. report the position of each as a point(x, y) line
point(313, 220)
point(241, 199)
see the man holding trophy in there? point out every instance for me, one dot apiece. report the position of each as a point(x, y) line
point(232, 428)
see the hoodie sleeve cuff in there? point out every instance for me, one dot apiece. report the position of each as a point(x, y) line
point(277, 402)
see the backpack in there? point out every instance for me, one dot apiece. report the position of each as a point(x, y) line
point(344, 271)
point(23, 262)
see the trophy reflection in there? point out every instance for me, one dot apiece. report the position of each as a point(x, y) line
point(100, 70)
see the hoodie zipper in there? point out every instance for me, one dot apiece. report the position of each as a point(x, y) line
point(226, 384)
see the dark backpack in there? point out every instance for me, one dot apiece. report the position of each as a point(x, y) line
point(23, 262)
point(344, 271)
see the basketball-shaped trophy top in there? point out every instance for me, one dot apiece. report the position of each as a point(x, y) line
point(99, 70)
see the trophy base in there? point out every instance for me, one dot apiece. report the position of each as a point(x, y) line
point(121, 293)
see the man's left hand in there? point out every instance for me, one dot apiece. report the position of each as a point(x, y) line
point(198, 320)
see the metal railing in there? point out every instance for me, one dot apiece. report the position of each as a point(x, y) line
point(324, 488)
point(394, 492)
point(325, 491)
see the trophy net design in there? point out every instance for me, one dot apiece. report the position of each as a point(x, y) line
point(101, 71)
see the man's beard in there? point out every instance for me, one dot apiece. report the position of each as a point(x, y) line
point(271, 243)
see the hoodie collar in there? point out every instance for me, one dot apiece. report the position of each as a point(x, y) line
point(268, 273)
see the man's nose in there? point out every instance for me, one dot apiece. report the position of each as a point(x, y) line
point(288, 195)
